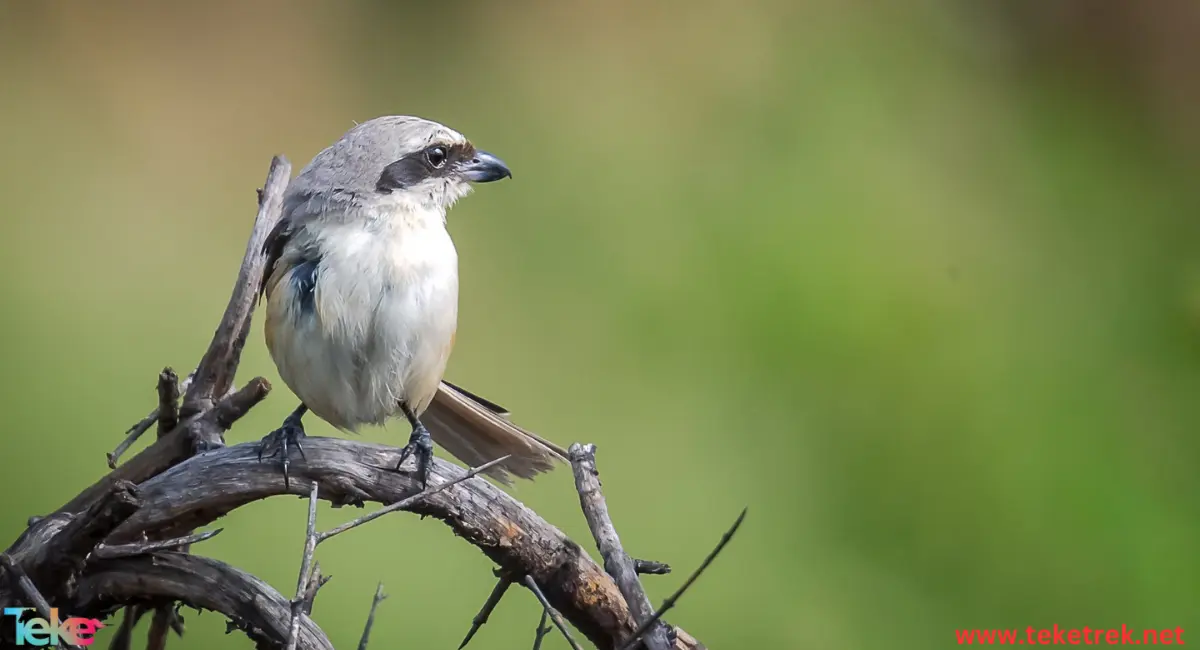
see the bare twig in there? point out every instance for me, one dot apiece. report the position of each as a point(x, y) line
point(617, 562)
point(407, 503)
point(143, 425)
point(160, 627)
point(123, 639)
point(366, 635)
point(673, 598)
point(106, 552)
point(488, 607)
point(166, 617)
point(131, 437)
point(549, 609)
point(650, 567)
point(177, 620)
point(306, 564)
point(17, 575)
point(22, 582)
point(542, 630)
point(315, 582)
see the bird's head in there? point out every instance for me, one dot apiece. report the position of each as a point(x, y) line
point(403, 160)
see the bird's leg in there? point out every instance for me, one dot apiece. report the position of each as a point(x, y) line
point(419, 444)
point(278, 440)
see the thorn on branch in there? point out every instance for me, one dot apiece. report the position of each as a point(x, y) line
point(554, 615)
point(366, 635)
point(617, 562)
point(673, 598)
point(488, 607)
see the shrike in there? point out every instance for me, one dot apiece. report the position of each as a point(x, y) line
point(362, 296)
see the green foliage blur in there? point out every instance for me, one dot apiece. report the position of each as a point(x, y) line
point(917, 282)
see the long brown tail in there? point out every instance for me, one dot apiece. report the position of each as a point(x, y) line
point(475, 431)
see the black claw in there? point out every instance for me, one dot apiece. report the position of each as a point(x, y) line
point(420, 445)
point(278, 441)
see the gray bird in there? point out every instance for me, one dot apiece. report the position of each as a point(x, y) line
point(362, 296)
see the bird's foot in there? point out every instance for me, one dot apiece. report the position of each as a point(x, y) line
point(278, 441)
point(421, 446)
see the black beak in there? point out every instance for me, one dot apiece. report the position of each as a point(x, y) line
point(483, 167)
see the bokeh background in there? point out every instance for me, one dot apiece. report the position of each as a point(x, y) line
point(917, 282)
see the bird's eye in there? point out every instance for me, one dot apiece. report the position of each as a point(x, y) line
point(436, 157)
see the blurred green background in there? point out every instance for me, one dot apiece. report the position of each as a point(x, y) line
point(917, 282)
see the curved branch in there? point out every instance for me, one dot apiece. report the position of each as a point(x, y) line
point(205, 487)
point(253, 605)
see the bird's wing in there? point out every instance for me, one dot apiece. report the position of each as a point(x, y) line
point(475, 431)
point(273, 248)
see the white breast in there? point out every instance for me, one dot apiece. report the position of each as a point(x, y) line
point(386, 308)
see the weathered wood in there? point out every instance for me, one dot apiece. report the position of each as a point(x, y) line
point(206, 487)
point(253, 605)
point(617, 562)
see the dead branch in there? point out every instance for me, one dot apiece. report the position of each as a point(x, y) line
point(204, 417)
point(22, 583)
point(366, 635)
point(542, 630)
point(489, 606)
point(650, 567)
point(106, 552)
point(176, 446)
point(203, 583)
point(123, 639)
point(315, 582)
point(168, 400)
point(197, 492)
point(214, 374)
point(617, 562)
point(306, 564)
point(674, 598)
point(166, 414)
point(549, 610)
point(160, 626)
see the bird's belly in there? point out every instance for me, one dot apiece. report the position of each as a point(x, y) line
point(413, 334)
point(364, 347)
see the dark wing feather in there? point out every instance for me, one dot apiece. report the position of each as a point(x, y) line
point(273, 248)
